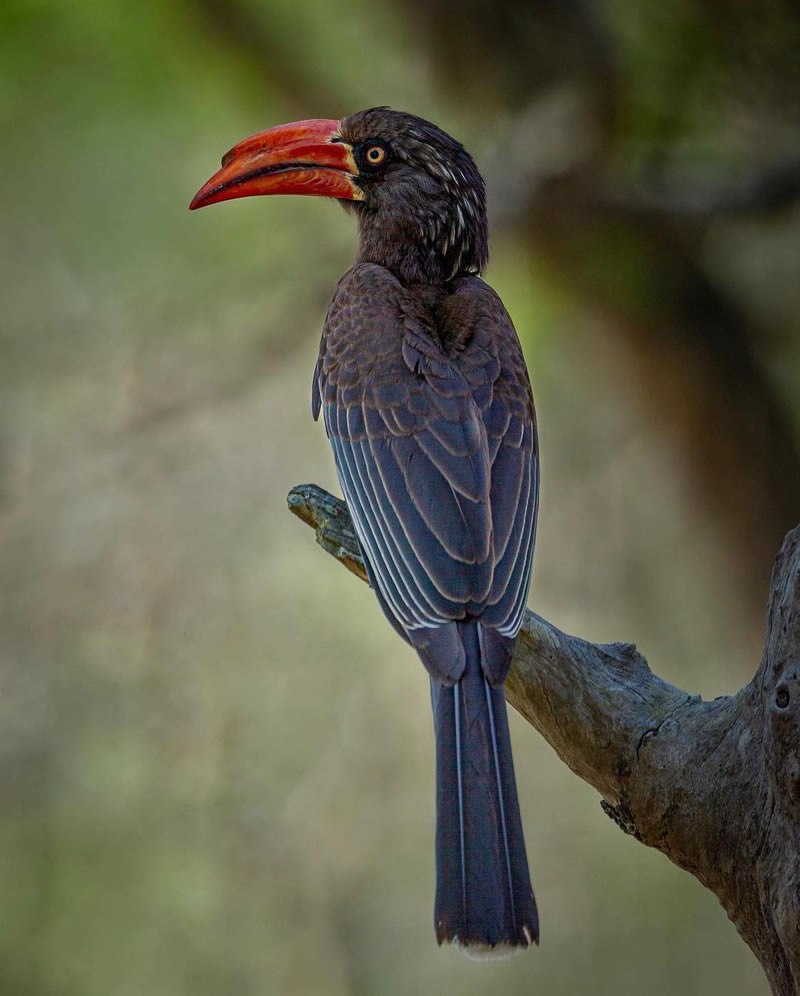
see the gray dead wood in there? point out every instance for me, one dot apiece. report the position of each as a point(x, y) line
point(714, 785)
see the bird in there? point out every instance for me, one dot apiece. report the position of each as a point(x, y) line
point(427, 403)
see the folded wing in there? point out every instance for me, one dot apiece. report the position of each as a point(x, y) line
point(434, 455)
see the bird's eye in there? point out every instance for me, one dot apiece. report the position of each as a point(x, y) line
point(375, 155)
point(372, 156)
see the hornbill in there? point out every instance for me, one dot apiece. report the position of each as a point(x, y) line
point(427, 404)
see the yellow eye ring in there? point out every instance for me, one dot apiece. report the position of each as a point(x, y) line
point(375, 155)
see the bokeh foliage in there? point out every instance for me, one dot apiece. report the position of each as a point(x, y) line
point(215, 758)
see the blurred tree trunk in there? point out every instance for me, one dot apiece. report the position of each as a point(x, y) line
point(713, 785)
point(639, 261)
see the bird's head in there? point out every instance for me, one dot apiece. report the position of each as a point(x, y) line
point(417, 194)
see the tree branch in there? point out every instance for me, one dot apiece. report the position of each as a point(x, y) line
point(714, 785)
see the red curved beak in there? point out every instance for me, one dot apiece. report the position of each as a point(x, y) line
point(304, 157)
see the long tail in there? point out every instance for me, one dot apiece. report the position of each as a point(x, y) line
point(484, 900)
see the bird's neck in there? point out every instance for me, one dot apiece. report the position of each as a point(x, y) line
point(410, 263)
point(417, 250)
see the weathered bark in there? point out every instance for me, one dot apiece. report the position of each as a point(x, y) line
point(714, 785)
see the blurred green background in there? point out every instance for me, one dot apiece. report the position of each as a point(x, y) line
point(216, 759)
